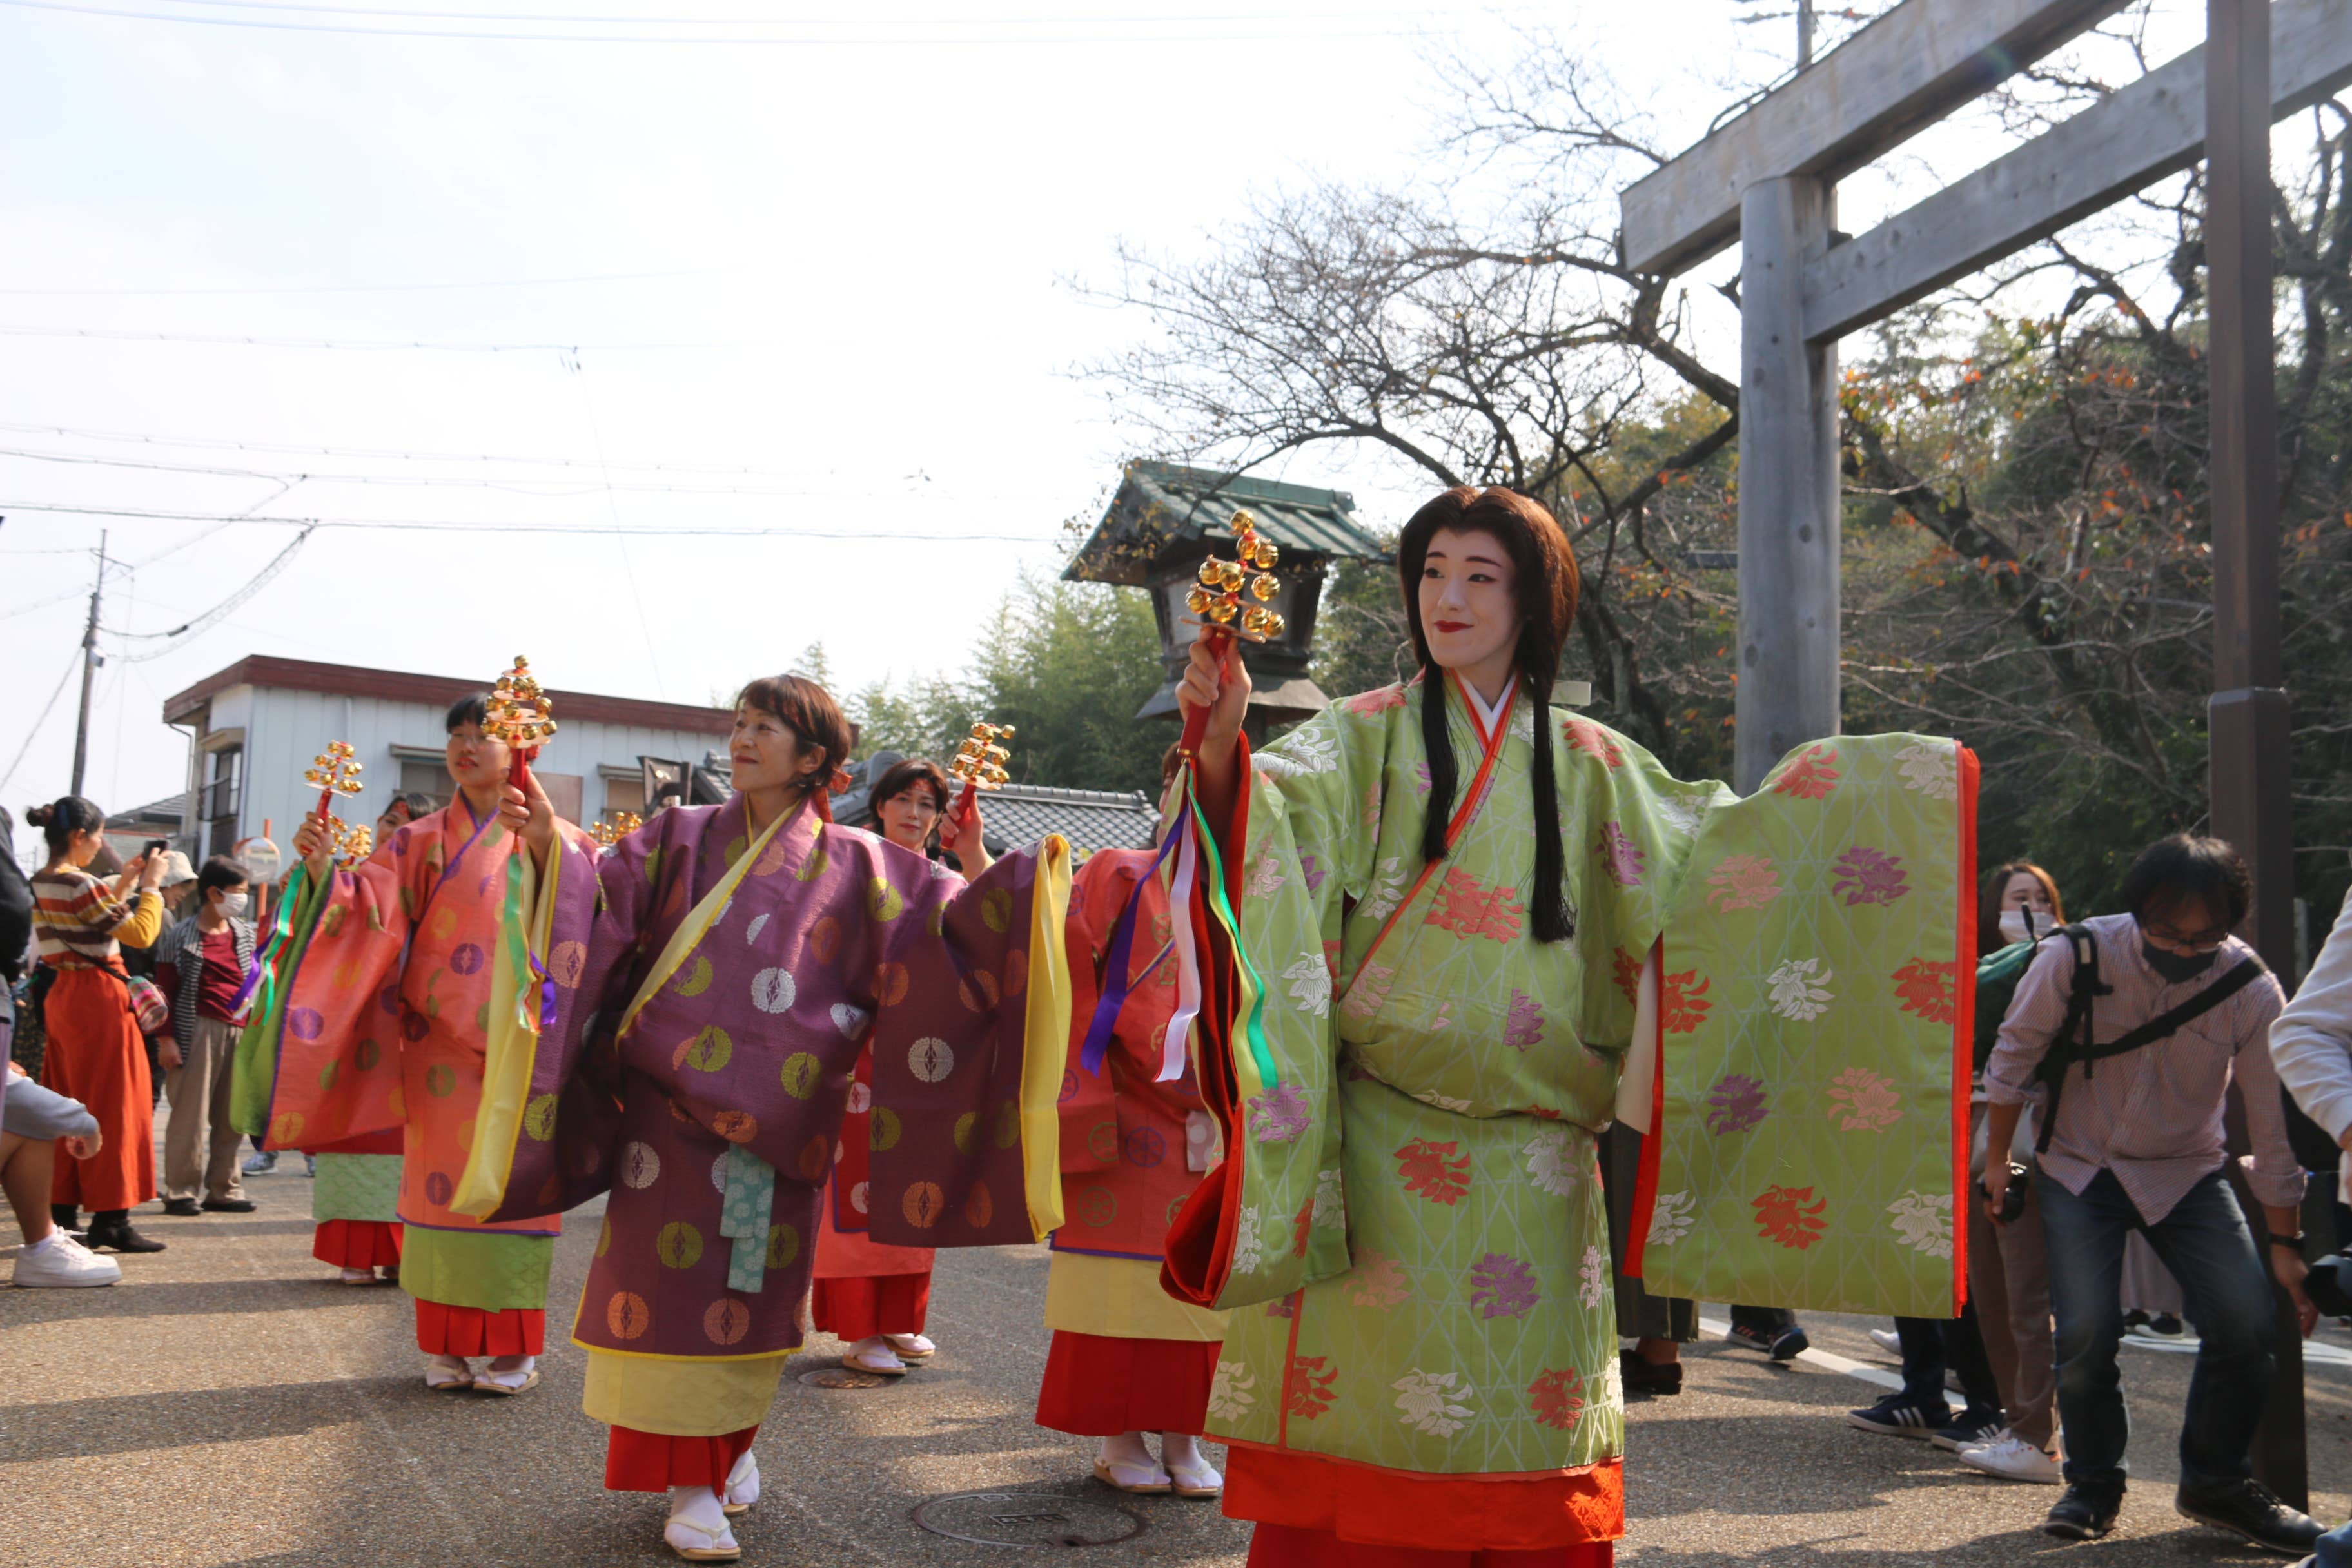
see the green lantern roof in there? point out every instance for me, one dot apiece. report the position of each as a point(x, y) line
point(1163, 510)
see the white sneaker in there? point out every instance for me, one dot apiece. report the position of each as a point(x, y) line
point(1887, 1340)
point(742, 1484)
point(2013, 1458)
point(63, 1262)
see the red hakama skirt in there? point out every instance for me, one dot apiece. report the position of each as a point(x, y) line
point(638, 1461)
point(860, 1305)
point(444, 1330)
point(1099, 1386)
point(1317, 1513)
point(357, 1243)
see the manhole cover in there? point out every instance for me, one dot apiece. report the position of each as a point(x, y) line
point(1028, 1519)
point(843, 1377)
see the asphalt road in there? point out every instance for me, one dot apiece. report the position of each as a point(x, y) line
point(229, 1405)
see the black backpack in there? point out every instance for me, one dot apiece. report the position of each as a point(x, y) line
point(2073, 1041)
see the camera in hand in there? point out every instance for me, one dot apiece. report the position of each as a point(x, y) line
point(158, 847)
point(2012, 1197)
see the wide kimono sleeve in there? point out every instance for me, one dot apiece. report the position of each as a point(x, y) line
point(591, 923)
point(320, 1063)
point(1302, 852)
point(1809, 1143)
point(969, 1032)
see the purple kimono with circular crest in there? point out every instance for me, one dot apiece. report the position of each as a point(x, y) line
point(831, 935)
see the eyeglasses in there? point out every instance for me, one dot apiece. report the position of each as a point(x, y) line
point(2209, 940)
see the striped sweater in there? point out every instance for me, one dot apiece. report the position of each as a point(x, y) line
point(80, 924)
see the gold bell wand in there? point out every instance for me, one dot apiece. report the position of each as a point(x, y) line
point(335, 773)
point(1217, 600)
point(521, 716)
point(979, 764)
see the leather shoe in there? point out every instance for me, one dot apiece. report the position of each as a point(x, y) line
point(1649, 1376)
point(121, 1238)
point(181, 1208)
point(2085, 1513)
point(2249, 1509)
point(229, 1206)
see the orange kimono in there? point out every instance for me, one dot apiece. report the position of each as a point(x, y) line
point(386, 1011)
point(96, 1053)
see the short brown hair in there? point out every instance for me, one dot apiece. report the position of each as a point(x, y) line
point(809, 711)
point(903, 775)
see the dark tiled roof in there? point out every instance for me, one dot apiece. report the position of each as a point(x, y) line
point(1161, 508)
point(1090, 819)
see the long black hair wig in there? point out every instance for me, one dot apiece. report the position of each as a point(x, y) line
point(1545, 582)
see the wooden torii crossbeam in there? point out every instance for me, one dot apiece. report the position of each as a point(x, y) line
point(1767, 181)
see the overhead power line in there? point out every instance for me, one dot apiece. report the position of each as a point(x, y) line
point(378, 346)
point(46, 708)
point(947, 31)
point(514, 486)
point(353, 288)
point(179, 635)
point(201, 443)
point(431, 525)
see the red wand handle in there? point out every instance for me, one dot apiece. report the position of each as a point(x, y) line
point(1196, 722)
point(519, 769)
point(961, 811)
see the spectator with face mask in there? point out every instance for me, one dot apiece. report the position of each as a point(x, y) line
point(2134, 1027)
point(202, 964)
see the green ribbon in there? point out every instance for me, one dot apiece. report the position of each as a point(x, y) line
point(1252, 1016)
point(751, 1201)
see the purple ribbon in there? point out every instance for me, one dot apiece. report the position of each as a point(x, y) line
point(1122, 946)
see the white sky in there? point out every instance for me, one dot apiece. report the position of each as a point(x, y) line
point(861, 236)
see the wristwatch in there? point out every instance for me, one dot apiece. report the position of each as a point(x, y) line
point(2294, 1241)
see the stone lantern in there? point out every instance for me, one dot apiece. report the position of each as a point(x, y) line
point(1165, 520)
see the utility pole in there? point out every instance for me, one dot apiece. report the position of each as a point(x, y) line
point(1804, 33)
point(2248, 720)
point(89, 662)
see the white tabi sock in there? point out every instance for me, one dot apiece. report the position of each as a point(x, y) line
point(508, 1371)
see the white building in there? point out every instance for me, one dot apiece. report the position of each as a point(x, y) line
point(255, 727)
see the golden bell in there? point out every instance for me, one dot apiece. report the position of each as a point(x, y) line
point(1263, 587)
point(1222, 613)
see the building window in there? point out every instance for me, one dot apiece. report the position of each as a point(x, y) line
point(221, 798)
point(624, 795)
point(429, 779)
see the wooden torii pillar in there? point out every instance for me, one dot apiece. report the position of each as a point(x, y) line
point(1768, 181)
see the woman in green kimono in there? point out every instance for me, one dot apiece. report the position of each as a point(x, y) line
point(1444, 883)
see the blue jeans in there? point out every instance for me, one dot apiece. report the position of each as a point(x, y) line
point(2333, 1549)
point(2205, 1242)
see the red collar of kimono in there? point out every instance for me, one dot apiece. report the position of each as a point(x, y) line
point(1464, 810)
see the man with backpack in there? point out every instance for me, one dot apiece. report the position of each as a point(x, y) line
point(2127, 1031)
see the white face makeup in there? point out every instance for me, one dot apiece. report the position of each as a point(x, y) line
point(1467, 611)
point(765, 752)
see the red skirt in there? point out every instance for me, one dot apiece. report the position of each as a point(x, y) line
point(1332, 1512)
point(357, 1243)
point(444, 1330)
point(97, 1055)
point(638, 1461)
point(1286, 1546)
point(861, 1306)
point(1096, 1386)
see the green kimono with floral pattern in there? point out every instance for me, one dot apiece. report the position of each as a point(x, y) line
point(1412, 1243)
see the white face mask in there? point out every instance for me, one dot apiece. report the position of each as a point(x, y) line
point(2025, 925)
point(234, 904)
